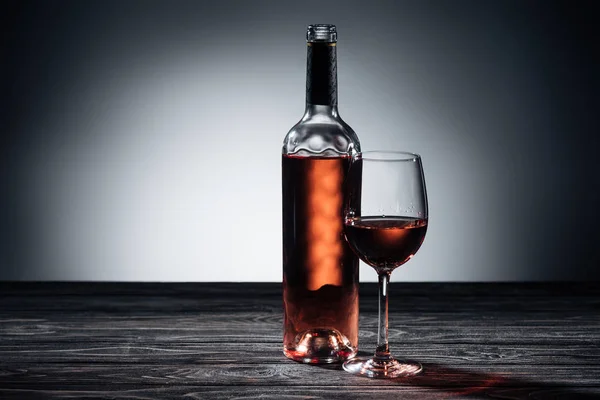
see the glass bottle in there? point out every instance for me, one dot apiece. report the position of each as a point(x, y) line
point(320, 271)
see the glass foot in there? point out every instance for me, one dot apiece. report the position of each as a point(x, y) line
point(374, 368)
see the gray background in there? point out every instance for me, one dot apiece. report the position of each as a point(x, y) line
point(141, 139)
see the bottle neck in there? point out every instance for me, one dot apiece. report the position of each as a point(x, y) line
point(321, 74)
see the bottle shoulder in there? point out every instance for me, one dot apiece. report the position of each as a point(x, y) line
point(322, 134)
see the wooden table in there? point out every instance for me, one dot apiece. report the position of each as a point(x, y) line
point(221, 341)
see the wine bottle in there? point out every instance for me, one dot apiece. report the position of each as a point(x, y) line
point(320, 271)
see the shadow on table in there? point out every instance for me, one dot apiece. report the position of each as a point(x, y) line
point(464, 383)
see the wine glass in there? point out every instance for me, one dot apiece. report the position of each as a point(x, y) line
point(385, 232)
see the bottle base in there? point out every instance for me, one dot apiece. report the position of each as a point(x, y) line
point(320, 346)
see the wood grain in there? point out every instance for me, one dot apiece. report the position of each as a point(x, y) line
point(219, 341)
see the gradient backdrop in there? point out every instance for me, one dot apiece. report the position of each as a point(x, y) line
point(141, 139)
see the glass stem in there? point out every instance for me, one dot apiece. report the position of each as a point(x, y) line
point(383, 350)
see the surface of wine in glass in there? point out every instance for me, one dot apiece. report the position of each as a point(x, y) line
point(385, 242)
point(385, 230)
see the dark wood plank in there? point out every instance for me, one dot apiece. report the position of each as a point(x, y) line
point(302, 381)
point(137, 351)
point(434, 328)
point(287, 373)
point(308, 392)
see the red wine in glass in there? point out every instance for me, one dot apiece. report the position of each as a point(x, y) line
point(385, 242)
